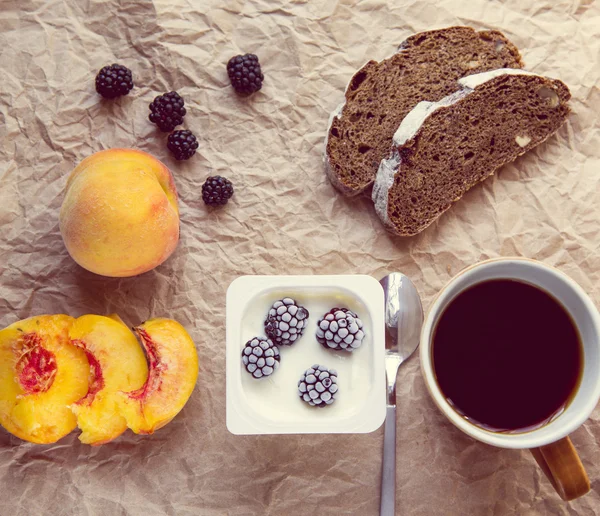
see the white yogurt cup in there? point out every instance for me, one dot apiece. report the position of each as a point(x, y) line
point(272, 405)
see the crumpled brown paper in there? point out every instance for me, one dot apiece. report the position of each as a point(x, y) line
point(284, 218)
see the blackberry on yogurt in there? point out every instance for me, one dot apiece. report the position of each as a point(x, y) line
point(260, 357)
point(340, 329)
point(286, 321)
point(318, 386)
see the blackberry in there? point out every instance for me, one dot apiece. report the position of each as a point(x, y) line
point(114, 81)
point(216, 191)
point(167, 111)
point(340, 328)
point(286, 321)
point(318, 386)
point(260, 357)
point(182, 144)
point(245, 73)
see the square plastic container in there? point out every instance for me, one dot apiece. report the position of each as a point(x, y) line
point(271, 405)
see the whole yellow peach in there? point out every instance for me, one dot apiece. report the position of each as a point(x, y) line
point(119, 216)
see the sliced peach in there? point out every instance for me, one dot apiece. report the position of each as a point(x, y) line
point(173, 370)
point(41, 374)
point(117, 363)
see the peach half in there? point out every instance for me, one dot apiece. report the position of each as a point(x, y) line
point(173, 371)
point(117, 363)
point(119, 216)
point(41, 375)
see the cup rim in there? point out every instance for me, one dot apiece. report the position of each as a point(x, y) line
point(529, 439)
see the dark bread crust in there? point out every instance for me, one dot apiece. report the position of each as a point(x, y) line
point(381, 94)
point(458, 146)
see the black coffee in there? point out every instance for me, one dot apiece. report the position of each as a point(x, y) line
point(507, 355)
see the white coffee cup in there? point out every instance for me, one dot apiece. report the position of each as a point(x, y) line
point(550, 443)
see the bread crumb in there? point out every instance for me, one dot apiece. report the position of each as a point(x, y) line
point(522, 141)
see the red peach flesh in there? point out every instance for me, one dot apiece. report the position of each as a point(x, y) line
point(155, 368)
point(96, 381)
point(36, 366)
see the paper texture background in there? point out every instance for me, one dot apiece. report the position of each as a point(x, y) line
point(284, 218)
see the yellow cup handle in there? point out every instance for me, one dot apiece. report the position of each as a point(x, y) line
point(561, 464)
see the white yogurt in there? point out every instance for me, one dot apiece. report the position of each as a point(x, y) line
point(276, 397)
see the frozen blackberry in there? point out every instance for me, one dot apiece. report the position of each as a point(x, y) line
point(216, 191)
point(167, 111)
point(340, 328)
point(260, 357)
point(318, 386)
point(245, 73)
point(114, 81)
point(286, 321)
point(182, 144)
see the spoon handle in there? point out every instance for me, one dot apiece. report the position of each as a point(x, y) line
point(388, 475)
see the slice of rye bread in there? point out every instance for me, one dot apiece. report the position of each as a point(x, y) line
point(442, 149)
point(380, 95)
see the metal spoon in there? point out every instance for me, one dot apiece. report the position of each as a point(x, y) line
point(403, 321)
